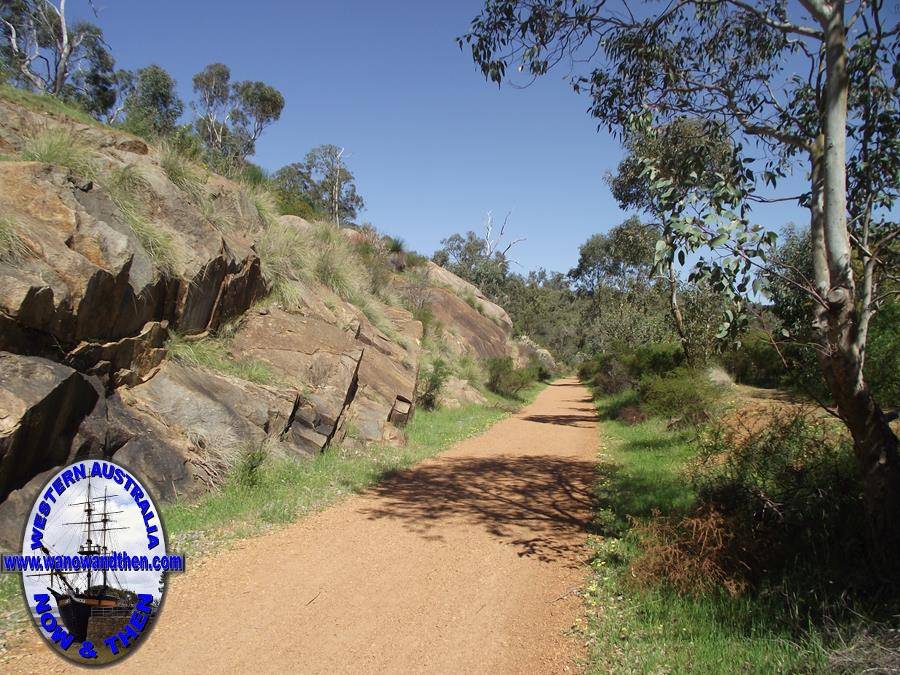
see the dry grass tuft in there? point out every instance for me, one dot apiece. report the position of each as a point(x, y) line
point(14, 248)
point(131, 193)
point(60, 146)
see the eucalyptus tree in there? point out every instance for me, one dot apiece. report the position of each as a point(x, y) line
point(694, 155)
point(152, 105)
point(231, 116)
point(46, 49)
point(800, 84)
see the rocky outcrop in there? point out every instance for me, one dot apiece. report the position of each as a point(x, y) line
point(86, 316)
point(42, 405)
point(527, 350)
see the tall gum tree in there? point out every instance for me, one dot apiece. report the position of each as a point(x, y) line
point(793, 80)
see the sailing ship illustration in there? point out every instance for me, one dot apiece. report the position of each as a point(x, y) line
point(84, 595)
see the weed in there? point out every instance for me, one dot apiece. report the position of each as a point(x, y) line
point(395, 245)
point(212, 353)
point(431, 382)
point(248, 469)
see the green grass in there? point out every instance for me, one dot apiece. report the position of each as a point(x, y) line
point(212, 353)
point(45, 103)
point(638, 629)
point(60, 146)
point(286, 489)
point(14, 248)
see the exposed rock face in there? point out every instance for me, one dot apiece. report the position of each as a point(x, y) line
point(85, 318)
point(41, 406)
point(461, 288)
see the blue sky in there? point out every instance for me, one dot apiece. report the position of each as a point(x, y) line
point(433, 146)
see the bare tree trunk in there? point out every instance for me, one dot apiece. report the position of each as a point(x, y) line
point(677, 316)
point(838, 322)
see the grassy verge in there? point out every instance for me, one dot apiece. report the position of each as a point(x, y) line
point(45, 103)
point(638, 629)
point(285, 489)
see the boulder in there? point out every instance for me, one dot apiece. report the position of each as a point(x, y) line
point(42, 404)
point(457, 393)
point(14, 511)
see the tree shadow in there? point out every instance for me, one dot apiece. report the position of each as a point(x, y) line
point(541, 505)
point(586, 420)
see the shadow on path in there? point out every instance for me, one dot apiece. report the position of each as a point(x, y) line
point(539, 504)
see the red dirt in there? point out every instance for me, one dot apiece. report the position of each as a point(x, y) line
point(467, 562)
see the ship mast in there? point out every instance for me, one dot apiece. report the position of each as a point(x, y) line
point(105, 529)
point(88, 510)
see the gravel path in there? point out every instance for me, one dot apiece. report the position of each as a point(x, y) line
point(468, 562)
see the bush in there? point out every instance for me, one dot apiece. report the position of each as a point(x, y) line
point(779, 505)
point(883, 355)
point(657, 358)
point(432, 383)
point(505, 379)
point(686, 396)
point(540, 370)
point(251, 460)
point(756, 362)
point(621, 369)
point(394, 245)
point(131, 193)
point(606, 373)
point(179, 170)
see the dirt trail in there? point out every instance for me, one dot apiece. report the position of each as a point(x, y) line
point(467, 563)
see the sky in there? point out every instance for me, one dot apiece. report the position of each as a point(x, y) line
point(433, 146)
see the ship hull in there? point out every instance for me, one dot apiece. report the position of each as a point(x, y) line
point(75, 615)
point(76, 611)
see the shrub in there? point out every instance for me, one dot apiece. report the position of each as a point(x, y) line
point(883, 355)
point(431, 384)
point(249, 463)
point(284, 256)
point(539, 370)
point(756, 362)
point(212, 353)
point(693, 555)
point(414, 259)
point(630, 414)
point(505, 379)
point(779, 506)
point(685, 396)
point(657, 358)
point(59, 146)
point(264, 202)
point(395, 245)
point(606, 373)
